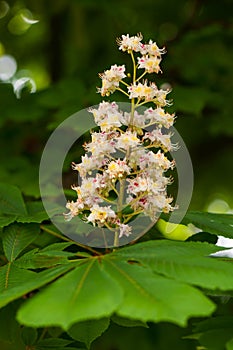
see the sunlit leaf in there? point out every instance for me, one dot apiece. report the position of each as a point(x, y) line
point(90, 293)
point(188, 262)
point(150, 297)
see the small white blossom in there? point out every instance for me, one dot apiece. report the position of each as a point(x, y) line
point(125, 230)
point(128, 140)
point(127, 43)
point(117, 169)
point(143, 91)
point(149, 63)
point(110, 79)
point(159, 116)
point(100, 215)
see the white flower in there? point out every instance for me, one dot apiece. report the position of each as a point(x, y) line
point(74, 209)
point(128, 140)
point(138, 119)
point(117, 169)
point(110, 79)
point(100, 215)
point(143, 91)
point(149, 63)
point(159, 139)
point(102, 144)
point(159, 116)
point(86, 166)
point(151, 49)
point(128, 43)
point(107, 116)
point(125, 230)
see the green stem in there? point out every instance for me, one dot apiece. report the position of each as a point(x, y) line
point(141, 76)
point(121, 90)
point(55, 234)
point(119, 209)
point(131, 215)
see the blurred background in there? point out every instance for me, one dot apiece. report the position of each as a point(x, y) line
point(50, 56)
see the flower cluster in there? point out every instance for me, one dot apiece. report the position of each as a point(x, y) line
point(123, 169)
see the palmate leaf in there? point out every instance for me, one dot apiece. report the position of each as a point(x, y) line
point(150, 297)
point(6, 220)
point(101, 286)
point(21, 284)
point(16, 237)
point(188, 262)
point(11, 200)
point(90, 293)
point(36, 213)
point(12, 276)
point(35, 259)
point(219, 224)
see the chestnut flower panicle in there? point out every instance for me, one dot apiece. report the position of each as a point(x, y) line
point(125, 164)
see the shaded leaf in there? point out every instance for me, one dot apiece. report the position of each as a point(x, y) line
point(126, 322)
point(87, 331)
point(36, 213)
point(52, 343)
point(219, 224)
point(21, 286)
point(11, 200)
point(29, 335)
point(35, 259)
point(11, 276)
point(5, 220)
point(9, 330)
point(16, 237)
point(57, 246)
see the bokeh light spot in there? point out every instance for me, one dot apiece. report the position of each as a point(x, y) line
point(8, 67)
point(4, 8)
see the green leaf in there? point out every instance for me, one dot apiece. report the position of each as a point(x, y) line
point(87, 331)
point(29, 335)
point(229, 345)
point(10, 329)
point(11, 200)
point(219, 224)
point(36, 213)
point(126, 322)
point(187, 262)
point(150, 297)
point(11, 276)
point(16, 237)
point(5, 220)
point(90, 293)
point(52, 343)
point(214, 332)
point(57, 246)
point(34, 259)
point(21, 284)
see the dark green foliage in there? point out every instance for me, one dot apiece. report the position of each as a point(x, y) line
point(56, 295)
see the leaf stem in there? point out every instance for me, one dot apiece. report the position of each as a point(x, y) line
point(55, 234)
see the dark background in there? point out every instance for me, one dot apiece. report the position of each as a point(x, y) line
point(63, 53)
